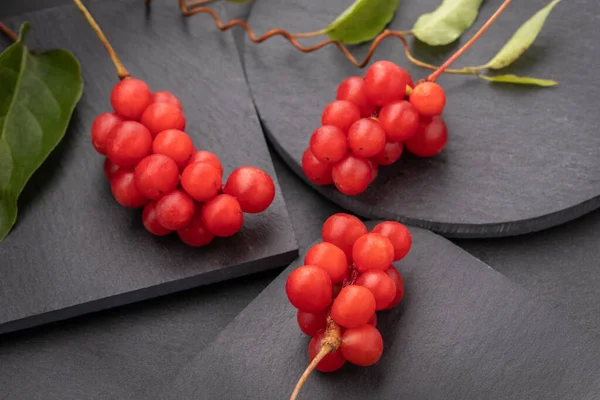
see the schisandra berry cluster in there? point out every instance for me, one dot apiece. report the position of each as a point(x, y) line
point(348, 277)
point(152, 163)
point(370, 123)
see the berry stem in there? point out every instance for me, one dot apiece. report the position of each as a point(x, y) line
point(8, 32)
point(309, 34)
point(121, 71)
point(465, 47)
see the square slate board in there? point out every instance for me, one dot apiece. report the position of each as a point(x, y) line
point(74, 250)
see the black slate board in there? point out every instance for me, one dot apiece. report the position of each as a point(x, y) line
point(463, 332)
point(74, 250)
point(519, 159)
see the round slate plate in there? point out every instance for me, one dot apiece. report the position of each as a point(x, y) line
point(519, 159)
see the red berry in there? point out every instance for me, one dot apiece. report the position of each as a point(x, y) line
point(223, 215)
point(381, 285)
point(390, 154)
point(207, 157)
point(352, 175)
point(175, 210)
point(430, 139)
point(352, 89)
point(398, 234)
point(130, 97)
point(428, 98)
point(399, 283)
point(196, 234)
point(311, 323)
point(316, 171)
point(175, 144)
point(399, 120)
point(252, 187)
point(151, 222)
point(385, 82)
point(374, 169)
point(366, 138)
point(340, 113)
point(373, 320)
point(128, 143)
point(309, 288)
point(353, 307)
point(362, 346)
point(343, 230)
point(158, 117)
point(372, 251)
point(330, 258)
point(328, 144)
point(124, 190)
point(162, 96)
point(156, 175)
point(332, 361)
point(101, 127)
point(110, 168)
point(202, 181)
point(409, 80)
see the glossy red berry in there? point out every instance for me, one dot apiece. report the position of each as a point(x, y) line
point(196, 234)
point(340, 113)
point(110, 168)
point(175, 210)
point(374, 169)
point(430, 139)
point(332, 361)
point(409, 80)
point(309, 288)
point(128, 143)
point(151, 222)
point(352, 89)
point(158, 117)
point(373, 320)
point(366, 138)
point(385, 82)
point(175, 144)
point(362, 346)
point(202, 181)
point(101, 127)
point(156, 175)
point(393, 273)
point(353, 307)
point(372, 251)
point(316, 171)
point(311, 323)
point(223, 215)
point(351, 175)
point(162, 96)
point(399, 120)
point(390, 154)
point(252, 187)
point(398, 234)
point(207, 157)
point(342, 230)
point(428, 98)
point(329, 257)
point(328, 144)
point(130, 97)
point(381, 285)
point(124, 190)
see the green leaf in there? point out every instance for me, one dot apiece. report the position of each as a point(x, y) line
point(520, 80)
point(447, 22)
point(37, 97)
point(362, 21)
point(522, 39)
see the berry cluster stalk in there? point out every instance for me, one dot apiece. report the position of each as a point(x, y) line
point(8, 32)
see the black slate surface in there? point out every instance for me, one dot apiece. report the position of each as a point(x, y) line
point(519, 159)
point(74, 250)
point(463, 332)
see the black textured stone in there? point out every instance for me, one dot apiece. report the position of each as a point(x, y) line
point(463, 331)
point(519, 159)
point(74, 249)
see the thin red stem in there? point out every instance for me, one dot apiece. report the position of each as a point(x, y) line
point(8, 32)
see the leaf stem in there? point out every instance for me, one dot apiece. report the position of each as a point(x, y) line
point(121, 70)
point(8, 32)
point(465, 47)
point(309, 34)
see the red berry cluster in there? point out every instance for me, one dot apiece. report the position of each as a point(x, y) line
point(370, 123)
point(152, 163)
point(348, 277)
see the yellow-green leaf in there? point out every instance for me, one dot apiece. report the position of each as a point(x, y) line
point(520, 80)
point(522, 39)
point(362, 21)
point(447, 22)
point(38, 93)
